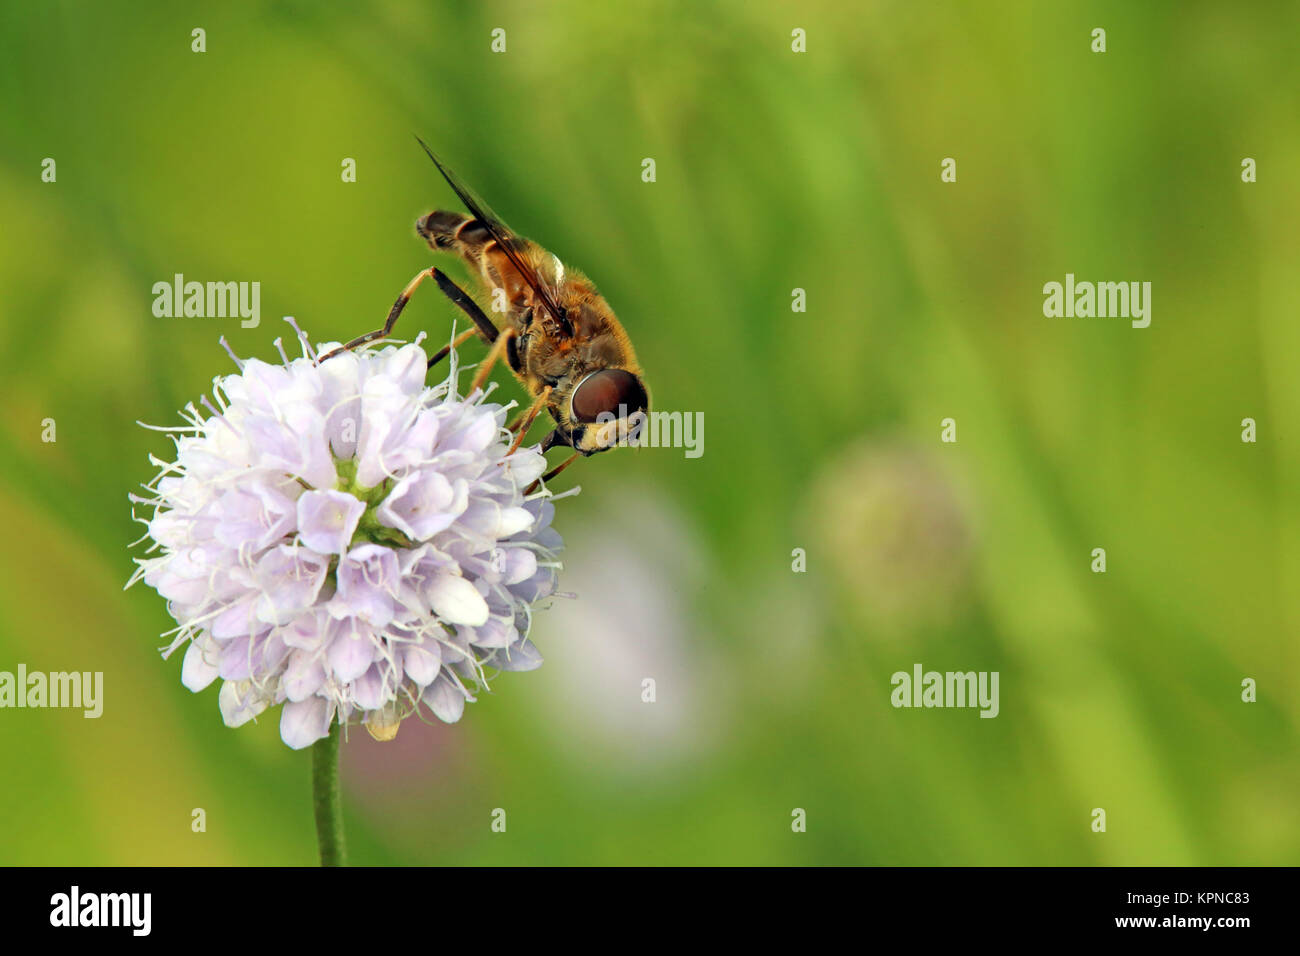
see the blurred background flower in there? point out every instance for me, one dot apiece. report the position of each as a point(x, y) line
point(887, 519)
point(639, 579)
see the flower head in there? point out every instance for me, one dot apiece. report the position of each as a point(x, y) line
point(344, 540)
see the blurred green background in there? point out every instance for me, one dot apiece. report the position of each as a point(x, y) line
point(775, 171)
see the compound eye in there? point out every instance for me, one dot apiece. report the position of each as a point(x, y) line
point(611, 391)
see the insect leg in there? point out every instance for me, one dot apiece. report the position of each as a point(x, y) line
point(525, 421)
point(466, 304)
point(393, 313)
point(457, 343)
point(498, 347)
point(552, 473)
point(482, 324)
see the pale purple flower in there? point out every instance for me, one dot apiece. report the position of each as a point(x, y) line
point(345, 541)
point(328, 519)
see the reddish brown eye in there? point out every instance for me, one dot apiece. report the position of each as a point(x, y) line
point(611, 391)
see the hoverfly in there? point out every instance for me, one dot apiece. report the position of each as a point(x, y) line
point(559, 336)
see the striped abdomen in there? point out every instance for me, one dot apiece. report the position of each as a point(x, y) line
point(471, 240)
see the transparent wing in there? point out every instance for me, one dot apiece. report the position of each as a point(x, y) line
point(502, 233)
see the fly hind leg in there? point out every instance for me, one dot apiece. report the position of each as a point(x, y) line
point(457, 295)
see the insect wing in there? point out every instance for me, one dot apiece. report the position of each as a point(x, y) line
point(503, 235)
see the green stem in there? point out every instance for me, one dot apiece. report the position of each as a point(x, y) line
point(325, 796)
